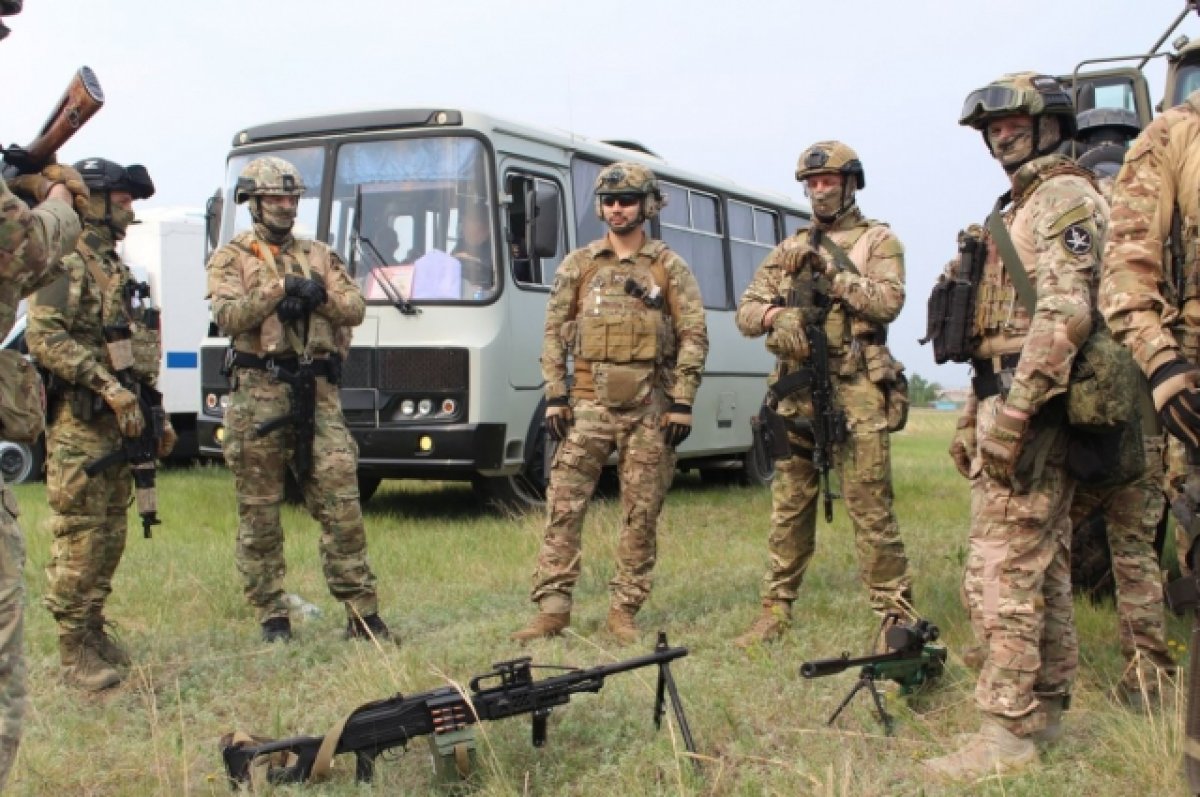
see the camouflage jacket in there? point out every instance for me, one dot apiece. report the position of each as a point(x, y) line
point(32, 245)
point(1057, 222)
point(682, 315)
point(67, 318)
point(245, 283)
point(1152, 305)
point(863, 304)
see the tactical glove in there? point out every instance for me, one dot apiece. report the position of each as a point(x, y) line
point(1176, 389)
point(166, 443)
point(962, 447)
point(311, 291)
point(124, 405)
point(558, 418)
point(1001, 446)
point(786, 337)
point(290, 308)
point(792, 259)
point(677, 423)
point(37, 186)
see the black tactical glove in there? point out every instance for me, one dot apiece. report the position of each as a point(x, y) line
point(558, 418)
point(290, 308)
point(677, 424)
point(311, 291)
point(1176, 389)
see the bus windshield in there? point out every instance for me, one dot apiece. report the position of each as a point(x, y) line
point(310, 161)
point(413, 219)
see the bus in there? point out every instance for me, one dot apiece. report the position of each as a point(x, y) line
point(453, 224)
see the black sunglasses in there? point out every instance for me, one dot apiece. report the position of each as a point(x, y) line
point(624, 200)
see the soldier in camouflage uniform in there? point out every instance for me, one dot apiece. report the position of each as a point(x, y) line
point(629, 310)
point(89, 414)
point(32, 244)
point(289, 307)
point(1011, 442)
point(860, 306)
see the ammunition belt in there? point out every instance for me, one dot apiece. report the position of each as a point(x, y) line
point(993, 377)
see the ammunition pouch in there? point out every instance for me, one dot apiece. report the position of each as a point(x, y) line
point(771, 430)
point(949, 323)
point(617, 338)
point(887, 372)
point(993, 377)
point(22, 399)
point(897, 403)
point(623, 386)
point(146, 342)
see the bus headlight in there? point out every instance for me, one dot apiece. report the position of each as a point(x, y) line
point(407, 407)
point(425, 407)
point(449, 406)
point(425, 443)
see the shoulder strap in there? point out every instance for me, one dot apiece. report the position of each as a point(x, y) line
point(838, 254)
point(1008, 255)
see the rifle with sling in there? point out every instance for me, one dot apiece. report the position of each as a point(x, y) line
point(302, 395)
point(444, 714)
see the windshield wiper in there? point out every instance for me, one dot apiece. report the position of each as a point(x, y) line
point(393, 293)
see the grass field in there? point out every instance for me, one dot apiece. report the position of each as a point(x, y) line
point(454, 583)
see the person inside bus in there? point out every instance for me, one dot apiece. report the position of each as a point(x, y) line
point(474, 250)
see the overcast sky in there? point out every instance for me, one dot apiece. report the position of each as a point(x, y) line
point(736, 89)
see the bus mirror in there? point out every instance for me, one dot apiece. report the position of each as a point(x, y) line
point(544, 220)
point(212, 220)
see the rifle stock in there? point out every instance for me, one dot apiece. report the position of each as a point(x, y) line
point(80, 101)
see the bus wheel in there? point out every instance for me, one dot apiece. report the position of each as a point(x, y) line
point(520, 491)
point(758, 469)
point(368, 483)
point(21, 462)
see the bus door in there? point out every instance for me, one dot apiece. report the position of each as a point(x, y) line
point(535, 233)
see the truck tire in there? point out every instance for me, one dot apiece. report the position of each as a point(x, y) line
point(368, 483)
point(21, 462)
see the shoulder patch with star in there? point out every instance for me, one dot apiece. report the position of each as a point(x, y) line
point(1077, 239)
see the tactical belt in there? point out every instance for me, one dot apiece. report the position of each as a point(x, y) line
point(993, 377)
point(329, 367)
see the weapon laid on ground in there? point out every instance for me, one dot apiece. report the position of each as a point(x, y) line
point(1183, 594)
point(912, 661)
point(77, 105)
point(444, 714)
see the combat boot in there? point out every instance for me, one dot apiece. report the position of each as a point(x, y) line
point(1051, 706)
point(277, 629)
point(620, 624)
point(82, 665)
point(543, 626)
point(371, 626)
point(774, 620)
point(992, 750)
point(107, 645)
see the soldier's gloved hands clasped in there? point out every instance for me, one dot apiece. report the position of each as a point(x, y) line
point(38, 186)
point(124, 405)
point(558, 418)
point(311, 291)
point(786, 336)
point(677, 423)
point(1000, 447)
point(290, 308)
point(1176, 389)
point(962, 447)
point(166, 443)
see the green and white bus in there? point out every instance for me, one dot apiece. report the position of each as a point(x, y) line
point(453, 223)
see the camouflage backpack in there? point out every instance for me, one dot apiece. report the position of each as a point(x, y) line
point(22, 399)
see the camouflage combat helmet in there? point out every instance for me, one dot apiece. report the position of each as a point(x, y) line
point(831, 157)
point(1019, 93)
point(624, 177)
point(101, 174)
point(268, 176)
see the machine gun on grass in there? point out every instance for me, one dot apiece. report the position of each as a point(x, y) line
point(445, 715)
point(912, 660)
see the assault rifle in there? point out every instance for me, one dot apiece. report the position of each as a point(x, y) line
point(79, 103)
point(303, 414)
point(828, 421)
point(912, 661)
point(141, 453)
point(508, 690)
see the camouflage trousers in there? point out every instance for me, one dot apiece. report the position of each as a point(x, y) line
point(1018, 585)
point(1131, 514)
point(645, 466)
point(330, 495)
point(89, 517)
point(1178, 469)
point(864, 469)
point(12, 619)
